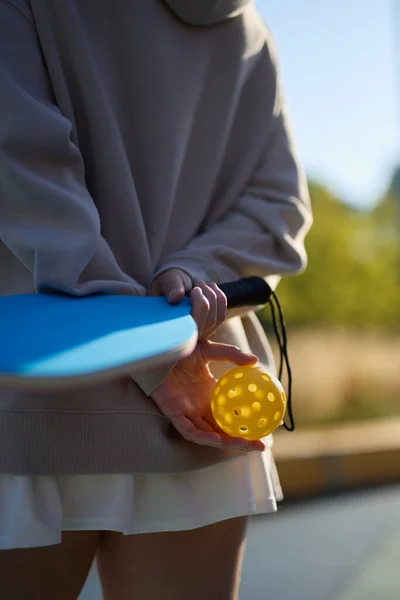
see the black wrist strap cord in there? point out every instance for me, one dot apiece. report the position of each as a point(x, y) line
point(281, 337)
point(255, 291)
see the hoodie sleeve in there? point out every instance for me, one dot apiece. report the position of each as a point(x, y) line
point(47, 216)
point(263, 231)
point(207, 12)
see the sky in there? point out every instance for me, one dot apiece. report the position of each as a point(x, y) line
point(338, 66)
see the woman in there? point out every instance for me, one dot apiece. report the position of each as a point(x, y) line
point(144, 150)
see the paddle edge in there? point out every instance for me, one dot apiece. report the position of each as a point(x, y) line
point(31, 383)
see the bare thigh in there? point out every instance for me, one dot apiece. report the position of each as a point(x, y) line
point(51, 572)
point(200, 564)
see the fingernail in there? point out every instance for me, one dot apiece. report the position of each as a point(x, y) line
point(215, 439)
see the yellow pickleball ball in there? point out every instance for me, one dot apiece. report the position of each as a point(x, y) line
point(248, 402)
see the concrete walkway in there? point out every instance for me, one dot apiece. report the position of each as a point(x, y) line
point(339, 548)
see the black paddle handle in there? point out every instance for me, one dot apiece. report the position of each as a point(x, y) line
point(249, 291)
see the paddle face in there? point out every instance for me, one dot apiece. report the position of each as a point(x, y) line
point(57, 341)
point(50, 341)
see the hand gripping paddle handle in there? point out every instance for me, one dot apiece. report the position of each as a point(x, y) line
point(249, 291)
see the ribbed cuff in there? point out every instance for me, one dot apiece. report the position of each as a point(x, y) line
point(150, 379)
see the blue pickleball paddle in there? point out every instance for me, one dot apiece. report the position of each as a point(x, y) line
point(56, 341)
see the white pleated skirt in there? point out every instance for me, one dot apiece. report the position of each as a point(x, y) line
point(34, 511)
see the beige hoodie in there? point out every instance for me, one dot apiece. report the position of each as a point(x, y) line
point(132, 141)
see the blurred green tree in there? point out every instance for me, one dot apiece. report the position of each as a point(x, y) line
point(352, 276)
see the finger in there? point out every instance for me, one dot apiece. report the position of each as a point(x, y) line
point(202, 425)
point(227, 442)
point(200, 308)
point(191, 433)
point(155, 289)
point(232, 443)
point(257, 445)
point(226, 353)
point(211, 321)
point(173, 284)
point(222, 306)
point(241, 444)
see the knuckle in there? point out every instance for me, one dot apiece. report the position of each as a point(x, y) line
point(218, 291)
point(212, 293)
point(223, 300)
point(205, 303)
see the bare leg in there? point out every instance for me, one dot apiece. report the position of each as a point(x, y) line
point(200, 564)
point(51, 572)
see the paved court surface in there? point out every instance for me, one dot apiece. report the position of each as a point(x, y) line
point(338, 548)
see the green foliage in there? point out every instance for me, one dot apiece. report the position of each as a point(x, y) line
point(352, 278)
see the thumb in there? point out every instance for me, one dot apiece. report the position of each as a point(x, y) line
point(172, 284)
point(226, 353)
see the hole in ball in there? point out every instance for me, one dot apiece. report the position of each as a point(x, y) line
point(256, 406)
point(228, 418)
point(238, 411)
point(283, 396)
point(266, 377)
point(271, 397)
point(261, 423)
point(243, 428)
point(232, 393)
point(277, 416)
point(238, 375)
point(252, 387)
point(217, 390)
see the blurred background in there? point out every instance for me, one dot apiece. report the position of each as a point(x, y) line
point(340, 68)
